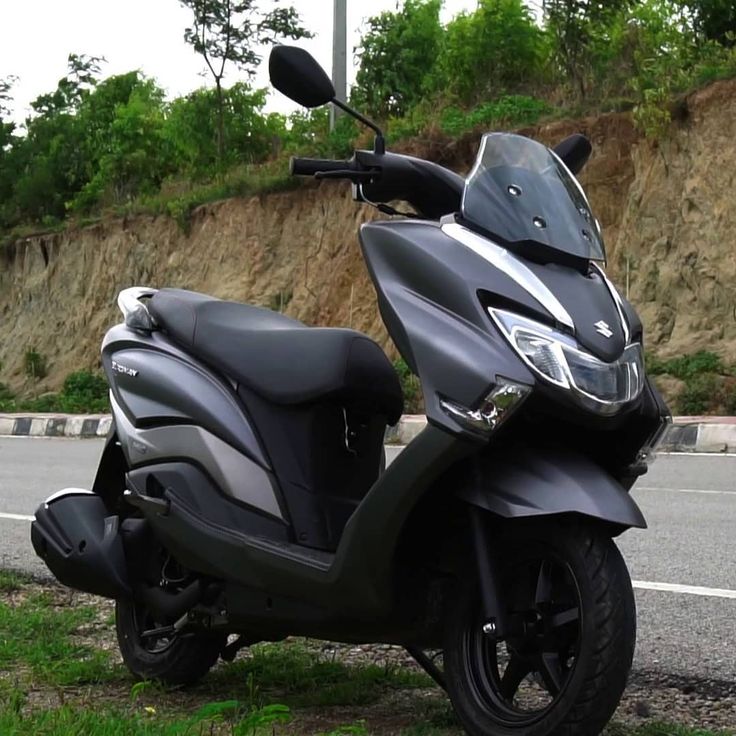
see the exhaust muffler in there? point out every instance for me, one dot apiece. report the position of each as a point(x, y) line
point(78, 539)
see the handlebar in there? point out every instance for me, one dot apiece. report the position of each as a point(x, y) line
point(385, 177)
point(312, 166)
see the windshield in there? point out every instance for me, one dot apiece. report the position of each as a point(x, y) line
point(521, 193)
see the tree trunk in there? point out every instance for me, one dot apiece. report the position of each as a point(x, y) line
point(220, 130)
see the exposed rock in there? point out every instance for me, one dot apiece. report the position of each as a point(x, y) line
point(668, 213)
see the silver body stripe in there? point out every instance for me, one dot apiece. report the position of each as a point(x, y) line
point(505, 261)
point(237, 475)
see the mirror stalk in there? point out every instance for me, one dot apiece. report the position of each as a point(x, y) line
point(379, 144)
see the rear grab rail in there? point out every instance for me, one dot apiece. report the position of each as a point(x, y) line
point(135, 312)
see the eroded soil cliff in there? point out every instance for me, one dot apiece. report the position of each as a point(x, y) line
point(668, 211)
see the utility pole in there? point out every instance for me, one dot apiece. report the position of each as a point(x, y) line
point(339, 57)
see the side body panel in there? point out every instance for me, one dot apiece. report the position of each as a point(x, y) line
point(168, 406)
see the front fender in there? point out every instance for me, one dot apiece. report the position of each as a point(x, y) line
point(533, 482)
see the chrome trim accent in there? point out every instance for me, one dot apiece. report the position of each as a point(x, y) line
point(236, 474)
point(503, 399)
point(613, 291)
point(513, 267)
point(135, 313)
point(67, 492)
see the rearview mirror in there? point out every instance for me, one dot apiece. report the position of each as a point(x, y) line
point(295, 73)
point(574, 151)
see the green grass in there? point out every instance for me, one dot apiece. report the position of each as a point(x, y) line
point(11, 581)
point(69, 721)
point(291, 673)
point(55, 681)
point(663, 729)
point(38, 634)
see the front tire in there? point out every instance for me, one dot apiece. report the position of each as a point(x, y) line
point(563, 666)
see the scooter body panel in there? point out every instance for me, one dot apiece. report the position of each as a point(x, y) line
point(168, 406)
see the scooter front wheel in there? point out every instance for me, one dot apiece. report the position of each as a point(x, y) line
point(563, 664)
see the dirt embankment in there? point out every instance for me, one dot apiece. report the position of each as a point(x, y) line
point(668, 212)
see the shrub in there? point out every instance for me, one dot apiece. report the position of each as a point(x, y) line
point(411, 388)
point(35, 364)
point(84, 391)
point(686, 367)
point(699, 395)
point(510, 110)
point(7, 399)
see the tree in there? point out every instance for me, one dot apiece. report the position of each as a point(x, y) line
point(225, 31)
point(80, 79)
point(7, 128)
point(715, 19)
point(574, 26)
point(495, 50)
point(397, 53)
point(132, 156)
point(6, 97)
point(191, 127)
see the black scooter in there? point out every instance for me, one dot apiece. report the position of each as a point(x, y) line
point(242, 489)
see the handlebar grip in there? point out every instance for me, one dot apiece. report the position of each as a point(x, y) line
point(310, 166)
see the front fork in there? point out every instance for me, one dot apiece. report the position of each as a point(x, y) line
point(494, 616)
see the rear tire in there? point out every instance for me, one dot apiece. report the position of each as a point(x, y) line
point(179, 660)
point(559, 673)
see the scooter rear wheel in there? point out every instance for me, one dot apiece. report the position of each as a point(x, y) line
point(174, 660)
point(563, 666)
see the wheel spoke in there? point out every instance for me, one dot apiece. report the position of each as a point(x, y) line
point(516, 670)
point(543, 592)
point(551, 671)
point(563, 618)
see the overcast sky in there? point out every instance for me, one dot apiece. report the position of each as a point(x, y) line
point(36, 36)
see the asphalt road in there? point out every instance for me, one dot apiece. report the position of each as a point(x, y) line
point(689, 501)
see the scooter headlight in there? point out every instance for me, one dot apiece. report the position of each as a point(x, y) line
point(599, 386)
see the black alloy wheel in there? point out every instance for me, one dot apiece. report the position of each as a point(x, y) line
point(149, 647)
point(563, 665)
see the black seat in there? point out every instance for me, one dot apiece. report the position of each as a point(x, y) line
point(277, 357)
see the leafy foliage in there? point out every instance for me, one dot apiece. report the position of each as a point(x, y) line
point(509, 110)
point(231, 31)
point(687, 366)
point(709, 384)
point(397, 53)
point(117, 142)
point(495, 50)
point(83, 392)
point(411, 387)
point(578, 29)
point(35, 364)
point(715, 19)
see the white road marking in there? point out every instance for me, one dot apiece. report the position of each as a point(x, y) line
point(639, 584)
point(17, 517)
point(685, 589)
point(685, 490)
point(697, 454)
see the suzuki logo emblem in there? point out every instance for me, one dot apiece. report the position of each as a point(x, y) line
point(603, 329)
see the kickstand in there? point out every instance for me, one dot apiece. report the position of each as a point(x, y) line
point(428, 666)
